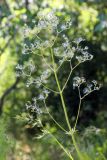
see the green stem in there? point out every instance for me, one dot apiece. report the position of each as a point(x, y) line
point(65, 111)
point(67, 153)
point(78, 109)
point(66, 117)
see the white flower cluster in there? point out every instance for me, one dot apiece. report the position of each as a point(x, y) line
point(78, 40)
point(39, 80)
point(68, 52)
point(39, 44)
point(43, 44)
point(47, 20)
point(25, 70)
point(43, 95)
point(34, 106)
point(30, 81)
point(77, 81)
point(87, 89)
point(85, 56)
point(65, 26)
point(65, 52)
point(25, 50)
point(42, 79)
point(50, 23)
point(26, 31)
point(19, 70)
point(90, 87)
point(45, 75)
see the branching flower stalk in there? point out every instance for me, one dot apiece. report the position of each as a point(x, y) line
point(59, 47)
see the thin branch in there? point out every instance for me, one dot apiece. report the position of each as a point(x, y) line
point(54, 119)
point(67, 78)
point(81, 98)
point(6, 45)
point(7, 5)
point(27, 4)
point(50, 88)
point(76, 66)
point(45, 61)
point(78, 113)
point(60, 65)
point(87, 94)
point(33, 52)
point(69, 75)
point(8, 91)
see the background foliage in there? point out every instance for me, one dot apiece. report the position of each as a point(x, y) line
point(89, 20)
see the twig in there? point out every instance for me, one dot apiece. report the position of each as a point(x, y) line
point(8, 91)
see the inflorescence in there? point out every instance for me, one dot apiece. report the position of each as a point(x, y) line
point(48, 34)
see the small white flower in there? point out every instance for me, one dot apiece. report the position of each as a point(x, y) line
point(77, 81)
point(28, 105)
point(94, 82)
point(63, 27)
point(78, 40)
point(19, 70)
point(86, 90)
point(46, 91)
point(41, 97)
point(20, 67)
point(65, 44)
point(42, 24)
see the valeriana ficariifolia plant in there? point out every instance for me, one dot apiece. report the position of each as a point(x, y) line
point(47, 40)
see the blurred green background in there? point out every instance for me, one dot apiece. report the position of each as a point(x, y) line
point(17, 139)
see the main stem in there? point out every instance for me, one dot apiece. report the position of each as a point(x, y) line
point(66, 117)
point(62, 100)
point(65, 110)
